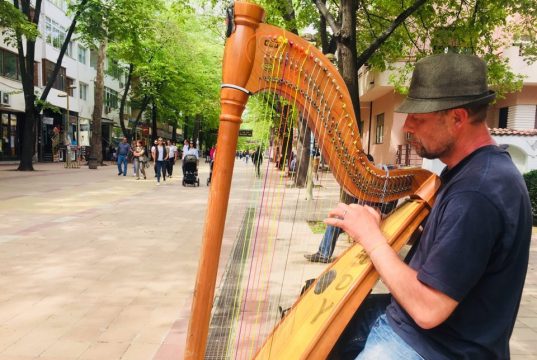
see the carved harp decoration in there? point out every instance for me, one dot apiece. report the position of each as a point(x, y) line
point(263, 58)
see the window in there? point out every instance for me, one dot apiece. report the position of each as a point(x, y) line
point(9, 65)
point(54, 33)
point(111, 98)
point(93, 59)
point(61, 79)
point(82, 54)
point(69, 51)
point(504, 114)
point(114, 70)
point(60, 4)
point(379, 139)
point(83, 91)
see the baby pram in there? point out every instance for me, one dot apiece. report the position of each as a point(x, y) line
point(210, 173)
point(190, 170)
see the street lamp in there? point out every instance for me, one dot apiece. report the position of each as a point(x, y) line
point(66, 131)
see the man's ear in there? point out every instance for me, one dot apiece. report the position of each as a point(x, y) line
point(460, 117)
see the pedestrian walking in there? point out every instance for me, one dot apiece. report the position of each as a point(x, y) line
point(172, 157)
point(257, 159)
point(123, 150)
point(140, 158)
point(160, 156)
point(186, 146)
point(155, 143)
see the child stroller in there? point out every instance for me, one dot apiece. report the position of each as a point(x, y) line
point(210, 173)
point(190, 170)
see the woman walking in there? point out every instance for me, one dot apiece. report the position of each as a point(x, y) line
point(140, 158)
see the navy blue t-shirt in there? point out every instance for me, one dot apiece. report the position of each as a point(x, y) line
point(474, 248)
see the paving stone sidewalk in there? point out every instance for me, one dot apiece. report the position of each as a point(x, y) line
point(99, 266)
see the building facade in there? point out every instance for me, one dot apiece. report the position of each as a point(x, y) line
point(72, 93)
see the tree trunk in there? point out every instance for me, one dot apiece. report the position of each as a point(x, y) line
point(303, 152)
point(145, 102)
point(126, 133)
point(174, 132)
point(197, 128)
point(154, 115)
point(28, 124)
point(328, 44)
point(348, 53)
point(96, 133)
point(285, 135)
point(26, 66)
point(309, 181)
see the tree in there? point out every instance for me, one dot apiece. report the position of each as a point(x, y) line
point(13, 22)
point(107, 22)
point(391, 31)
point(165, 76)
point(26, 56)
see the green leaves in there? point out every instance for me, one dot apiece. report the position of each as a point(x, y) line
point(13, 23)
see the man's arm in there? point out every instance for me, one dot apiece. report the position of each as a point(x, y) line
point(427, 307)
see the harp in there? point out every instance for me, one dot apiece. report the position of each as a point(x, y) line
point(263, 58)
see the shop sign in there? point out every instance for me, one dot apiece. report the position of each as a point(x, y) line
point(246, 133)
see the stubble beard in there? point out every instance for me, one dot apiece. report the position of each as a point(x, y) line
point(437, 153)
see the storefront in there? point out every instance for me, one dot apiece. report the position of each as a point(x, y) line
point(50, 136)
point(9, 135)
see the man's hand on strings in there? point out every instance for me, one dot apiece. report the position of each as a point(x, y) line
point(361, 223)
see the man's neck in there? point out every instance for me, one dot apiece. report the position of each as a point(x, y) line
point(467, 144)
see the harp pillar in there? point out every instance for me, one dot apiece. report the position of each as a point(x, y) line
point(238, 61)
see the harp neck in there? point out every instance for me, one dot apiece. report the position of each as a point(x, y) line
point(260, 57)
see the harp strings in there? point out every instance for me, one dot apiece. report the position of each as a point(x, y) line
point(280, 66)
point(254, 303)
point(263, 244)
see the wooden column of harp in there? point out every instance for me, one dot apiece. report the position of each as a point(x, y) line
point(260, 57)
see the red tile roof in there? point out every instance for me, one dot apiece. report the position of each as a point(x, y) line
point(507, 132)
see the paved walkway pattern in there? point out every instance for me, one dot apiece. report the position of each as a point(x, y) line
point(99, 266)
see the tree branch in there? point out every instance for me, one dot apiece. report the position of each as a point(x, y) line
point(123, 101)
point(50, 81)
point(336, 29)
point(364, 56)
point(368, 19)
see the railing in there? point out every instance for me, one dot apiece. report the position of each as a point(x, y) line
point(406, 156)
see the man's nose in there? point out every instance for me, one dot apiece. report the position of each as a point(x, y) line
point(408, 126)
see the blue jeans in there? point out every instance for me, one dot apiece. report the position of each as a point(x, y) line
point(384, 343)
point(369, 336)
point(161, 168)
point(122, 160)
point(328, 243)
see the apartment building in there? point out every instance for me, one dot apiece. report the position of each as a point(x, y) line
point(512, 120)
point(72, 92)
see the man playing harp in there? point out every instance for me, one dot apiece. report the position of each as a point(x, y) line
point(459, 295)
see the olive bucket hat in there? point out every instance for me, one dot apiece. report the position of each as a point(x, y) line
point(447, 81)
